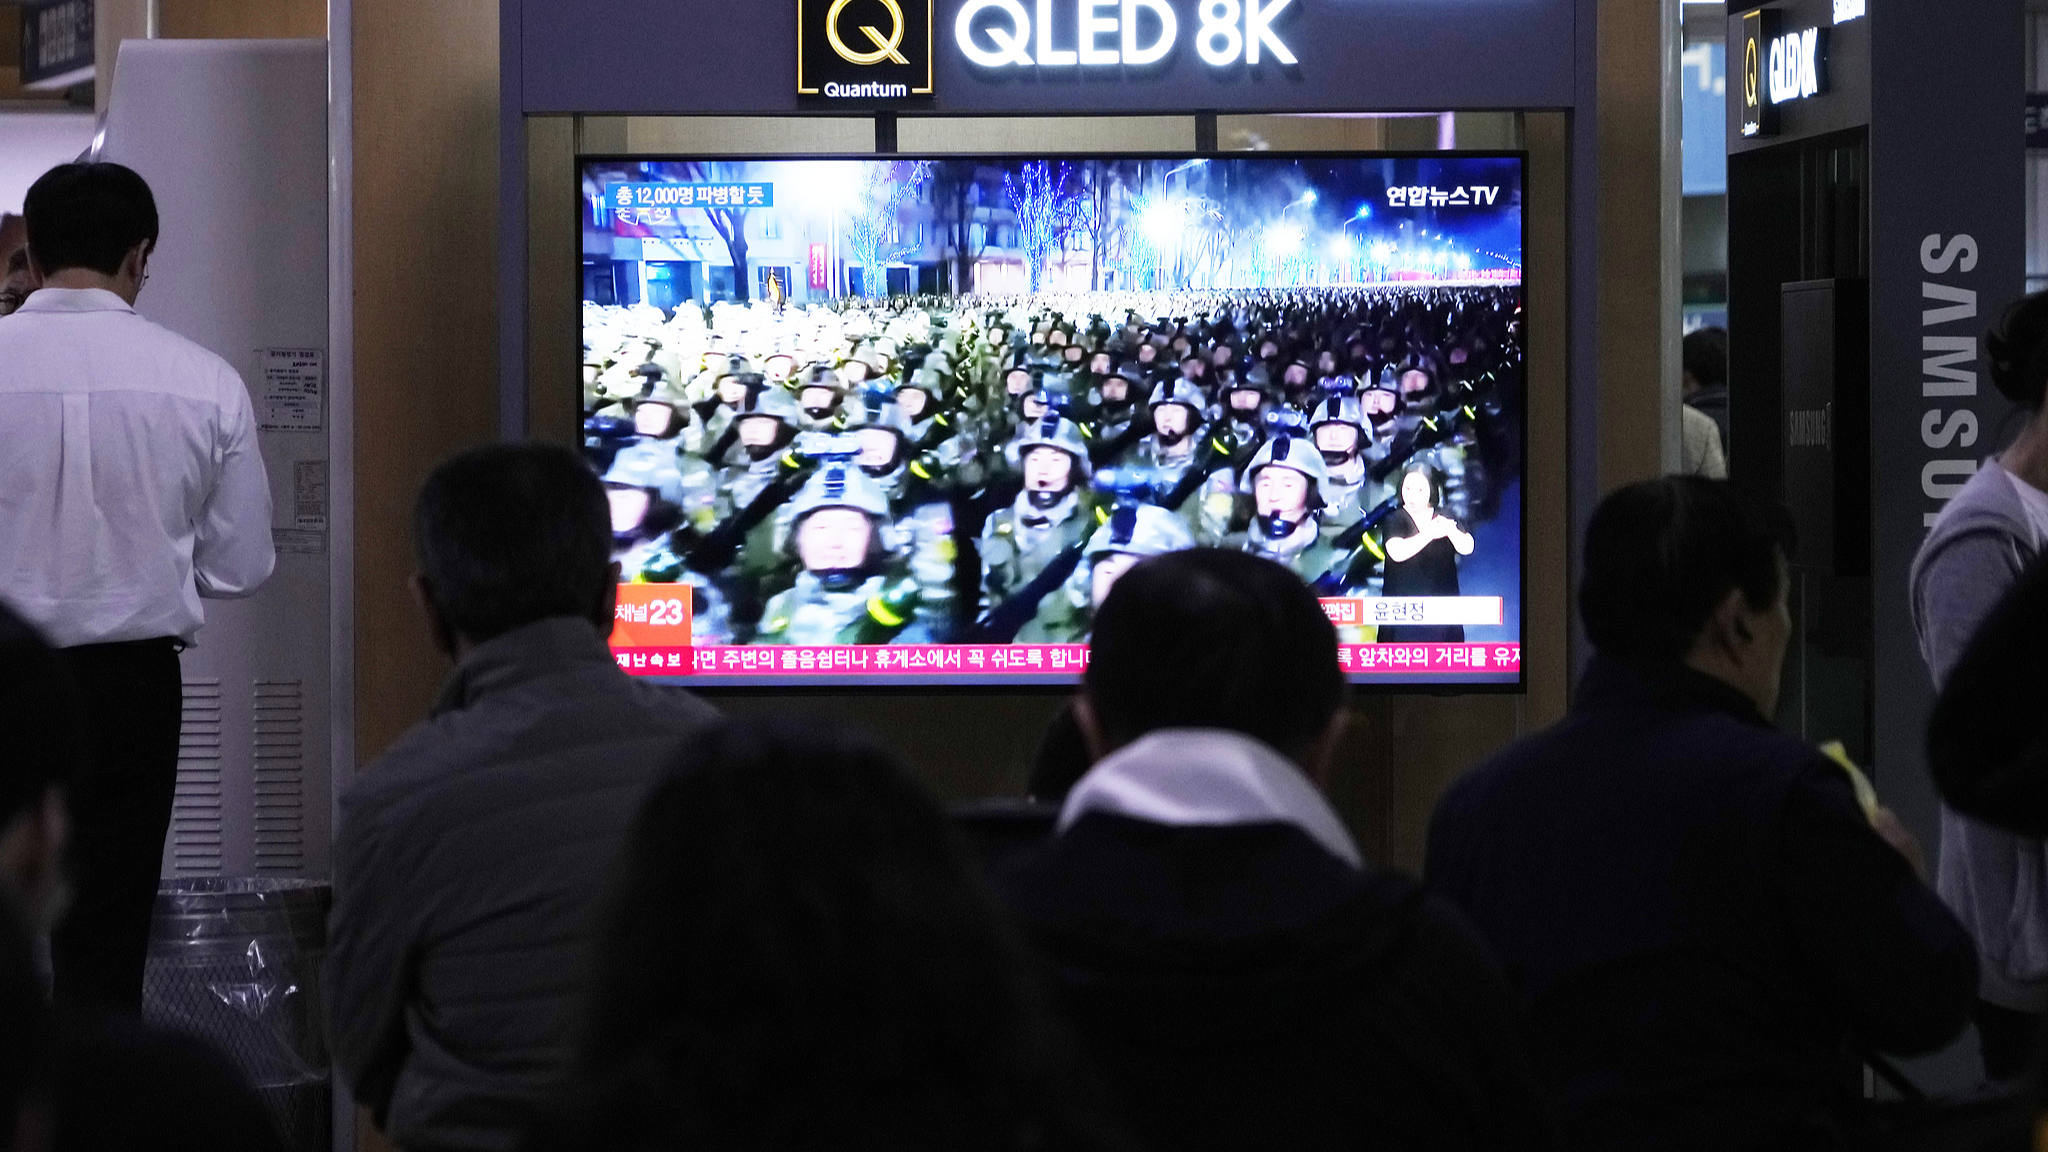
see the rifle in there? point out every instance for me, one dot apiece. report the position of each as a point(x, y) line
point(1107, 451)
point(1348, 544)
point(722, 544)
point(1197, 474)
point(1005, 620)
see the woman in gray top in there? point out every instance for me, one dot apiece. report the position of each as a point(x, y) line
point(1996, 883)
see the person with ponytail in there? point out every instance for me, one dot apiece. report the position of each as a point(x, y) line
point(1973, 556)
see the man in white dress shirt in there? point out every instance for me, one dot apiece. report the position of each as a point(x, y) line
point(130, 487)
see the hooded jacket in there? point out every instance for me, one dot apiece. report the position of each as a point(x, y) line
point(1243, 979)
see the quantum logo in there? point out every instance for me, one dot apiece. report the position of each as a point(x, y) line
point(864, 49)
point(1759, 30)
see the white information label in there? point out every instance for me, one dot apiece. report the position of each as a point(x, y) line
point(1441, 610)
point(292, 396)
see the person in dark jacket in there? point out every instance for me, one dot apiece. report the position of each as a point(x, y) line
point(798, 953)
point(1708, 930)
point(81, 1076)
point(470, 853)
point(1703, 383)
point(1243, 977)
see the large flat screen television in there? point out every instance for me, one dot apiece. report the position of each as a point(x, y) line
point(903, 420)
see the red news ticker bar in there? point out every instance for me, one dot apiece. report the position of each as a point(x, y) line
point(1435, 659)
point(910, 661)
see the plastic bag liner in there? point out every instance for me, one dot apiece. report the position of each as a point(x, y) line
point(236, 962)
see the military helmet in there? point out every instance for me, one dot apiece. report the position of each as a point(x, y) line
point(1387, 381)
point(666, 391)
point(768, 400)
point(648, 464)
point(1051, 431)
point(1338, 409)
point(1289, 452)
point(1139, 530)
point(872, 410)
point(1178, 391)
point(840, 485)
point(926, 380)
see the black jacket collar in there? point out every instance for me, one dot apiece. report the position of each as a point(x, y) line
point(1665, 685)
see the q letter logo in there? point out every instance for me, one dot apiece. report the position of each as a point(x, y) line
point(885, 48)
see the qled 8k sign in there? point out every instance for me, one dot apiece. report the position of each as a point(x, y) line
point(1061, 34)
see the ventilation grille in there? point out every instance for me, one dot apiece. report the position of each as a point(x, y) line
point(195, 814)
point(280, 775)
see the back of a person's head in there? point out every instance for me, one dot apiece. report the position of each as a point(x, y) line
point(1662, 555)
point(798, 953)
point(509, 534)
point(1704, 353)
point(2016, 351)
point(38, 713)
point(1209, 638)
point(88, 216)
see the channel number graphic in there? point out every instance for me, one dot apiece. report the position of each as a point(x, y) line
point(885, 46)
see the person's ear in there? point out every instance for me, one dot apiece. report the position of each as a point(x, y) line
point(1090, 726)
point(136, 263)
point(1323, 752)
point(1728, 628)
point(437, 620)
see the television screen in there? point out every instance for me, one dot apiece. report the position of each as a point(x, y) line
point(904, 420)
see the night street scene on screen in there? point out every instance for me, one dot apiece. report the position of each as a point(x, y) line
point(940, 405)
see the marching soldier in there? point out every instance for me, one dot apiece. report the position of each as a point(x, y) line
point(1050, 515)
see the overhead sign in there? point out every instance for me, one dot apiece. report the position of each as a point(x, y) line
point(1798, 65)
point(1060, 34)
point(864, 50)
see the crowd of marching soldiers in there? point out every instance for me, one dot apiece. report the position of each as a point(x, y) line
point(916, 470)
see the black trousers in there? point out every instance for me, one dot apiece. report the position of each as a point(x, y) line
point(120, 812)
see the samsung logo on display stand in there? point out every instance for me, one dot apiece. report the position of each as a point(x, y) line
point(1118, 33)
point(1847, 10)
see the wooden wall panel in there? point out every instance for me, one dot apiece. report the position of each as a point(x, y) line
point(426, 196)
point(1546, 520)
point(242, 19)
point(1638, 307)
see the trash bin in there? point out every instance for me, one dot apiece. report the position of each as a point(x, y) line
point(237, 963)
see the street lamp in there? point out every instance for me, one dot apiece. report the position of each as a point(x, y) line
point(1364, 213)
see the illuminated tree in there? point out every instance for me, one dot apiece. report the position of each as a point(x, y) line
point(1047, 209)
point(873, 230)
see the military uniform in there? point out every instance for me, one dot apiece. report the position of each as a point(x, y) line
point(1067, 615)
